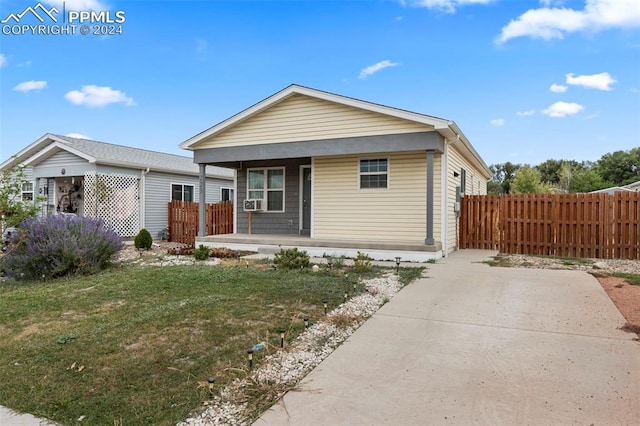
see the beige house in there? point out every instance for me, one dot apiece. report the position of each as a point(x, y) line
point(336, 175)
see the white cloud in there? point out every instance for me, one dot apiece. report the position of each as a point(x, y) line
point(446, 6)
point(77, 136)
point(498, 122)
point(28, 86)
point(526, 113)
point(3, 60)
point(97, 96)
point(558, 88)
point(78, 4)
point(602, 81)
point(372, 69)
point(562, 109)
point(552, 23)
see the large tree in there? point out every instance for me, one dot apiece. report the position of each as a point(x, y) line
point(620, 167)
point(586, 180)
point(503, 175)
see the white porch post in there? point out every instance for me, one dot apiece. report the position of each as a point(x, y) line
point(202, 208)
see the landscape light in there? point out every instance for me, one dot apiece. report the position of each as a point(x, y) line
point(282, 337)
point(397, 264)
point(211, 381)
point(250, 356)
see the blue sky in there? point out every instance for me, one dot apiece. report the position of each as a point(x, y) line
point(525, 80)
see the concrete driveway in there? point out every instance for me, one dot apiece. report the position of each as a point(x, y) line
point(472, 344)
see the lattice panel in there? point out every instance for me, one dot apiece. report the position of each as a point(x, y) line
point(115, 199)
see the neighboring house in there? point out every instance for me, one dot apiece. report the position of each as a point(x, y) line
point(632, 187)
point(129, 188)
point(336, 175)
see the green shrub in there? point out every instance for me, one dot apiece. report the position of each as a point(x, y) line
point(143, 240)
point(292, 259)
point(202, 252)
point(58, 245)
point(362, 262)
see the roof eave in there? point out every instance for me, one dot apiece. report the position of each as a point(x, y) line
point(160, 169)
point(453, 133)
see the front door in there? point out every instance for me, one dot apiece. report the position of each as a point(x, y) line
point(306, 201)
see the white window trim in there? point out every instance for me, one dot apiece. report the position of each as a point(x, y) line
point(23, 192)
point(222, 188)
point(265, 190)
point(388, 173)
point(182, 185)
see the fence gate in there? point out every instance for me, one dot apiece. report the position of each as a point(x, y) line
point(183, 220)
point(115, 199)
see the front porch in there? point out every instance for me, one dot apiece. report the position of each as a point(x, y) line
point(318, 247)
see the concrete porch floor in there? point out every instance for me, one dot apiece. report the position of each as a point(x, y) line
point(317, 247)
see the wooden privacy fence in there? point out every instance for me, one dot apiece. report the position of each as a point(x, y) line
point(595, 225)
point(183, 220)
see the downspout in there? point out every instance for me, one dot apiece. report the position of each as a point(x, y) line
point(143, 198)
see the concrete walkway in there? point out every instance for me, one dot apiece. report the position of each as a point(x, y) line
point(11, 418)
point(472, 344)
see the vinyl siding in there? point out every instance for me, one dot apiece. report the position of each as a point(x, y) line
point(475, 185)
point(287, 222)
point(157, 194)
point(302, 118)
point(398, 213)
point(63, 159)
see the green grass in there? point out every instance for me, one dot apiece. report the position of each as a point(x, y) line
point(499, 261)
point(633, 279)
point(133, 345)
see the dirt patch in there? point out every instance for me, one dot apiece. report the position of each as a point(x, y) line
point(626, 297)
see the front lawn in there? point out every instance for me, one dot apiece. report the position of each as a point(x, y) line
point(134, 344)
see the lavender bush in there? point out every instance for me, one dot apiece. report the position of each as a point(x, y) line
point(58, 245)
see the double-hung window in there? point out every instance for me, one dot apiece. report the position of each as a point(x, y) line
point(180, 192)
point(374, 173)
point(267, 185)
point(27, 191)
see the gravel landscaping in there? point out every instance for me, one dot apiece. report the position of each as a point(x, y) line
point(281, 370)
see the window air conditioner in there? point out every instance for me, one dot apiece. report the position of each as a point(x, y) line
point(252, 205)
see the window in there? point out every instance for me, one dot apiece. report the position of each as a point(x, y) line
point(181, 192)
point(463, 181)
point(27, 191)
point(267, 185)
point(226, 194)
point(374, 173)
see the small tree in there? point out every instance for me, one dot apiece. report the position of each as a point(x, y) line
point(528, 180)
point(13, 208)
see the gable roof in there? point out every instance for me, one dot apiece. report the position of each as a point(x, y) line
point(634, 186)
point(112, 155)
point(448, 129)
